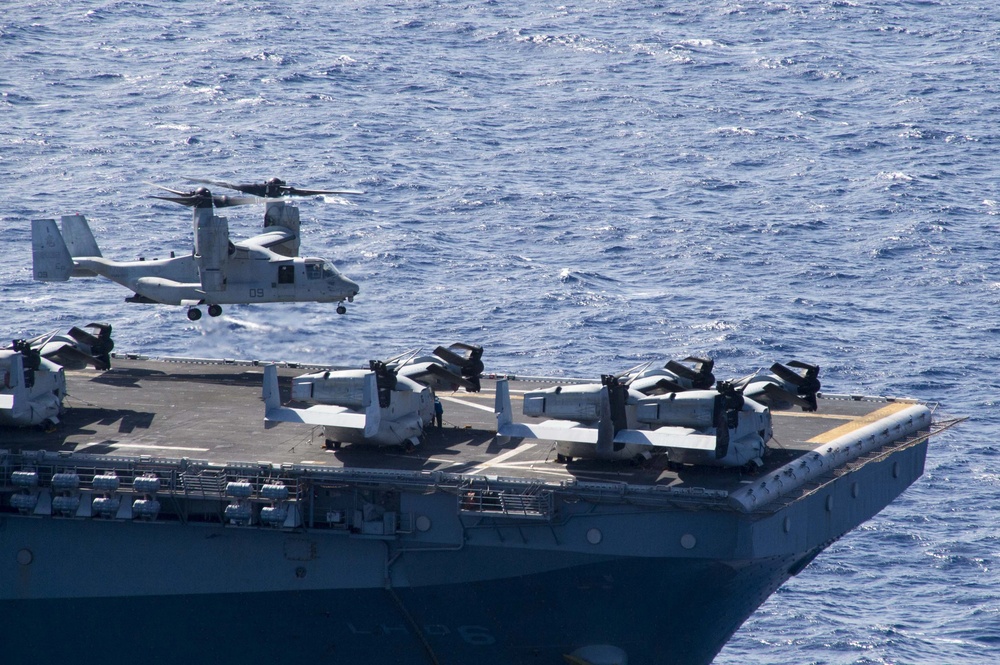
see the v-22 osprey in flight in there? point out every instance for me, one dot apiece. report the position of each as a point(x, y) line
point(264, 268)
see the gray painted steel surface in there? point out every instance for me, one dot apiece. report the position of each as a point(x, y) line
point(134, 528)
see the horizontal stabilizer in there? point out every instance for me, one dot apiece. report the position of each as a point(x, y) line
point(319, 414)
point(555, 430)
point(668, 437)
point(570, 431)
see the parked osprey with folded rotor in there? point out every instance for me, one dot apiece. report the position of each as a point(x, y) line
point(677, 410)
point(391, 403)
point(32, 376)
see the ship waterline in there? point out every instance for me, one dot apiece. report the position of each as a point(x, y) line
point(466, 551)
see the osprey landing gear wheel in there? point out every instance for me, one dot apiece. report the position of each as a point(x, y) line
point(194, 313)
point(214, 310)
point(341, 309)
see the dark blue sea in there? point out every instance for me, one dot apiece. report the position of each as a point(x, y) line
point(579, 188)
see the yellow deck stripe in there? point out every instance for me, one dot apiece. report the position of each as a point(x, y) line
point(858, 423)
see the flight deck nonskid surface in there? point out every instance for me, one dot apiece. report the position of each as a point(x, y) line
point(212, 411)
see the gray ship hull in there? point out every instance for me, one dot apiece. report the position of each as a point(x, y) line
point(662, 583)
point(654, 611)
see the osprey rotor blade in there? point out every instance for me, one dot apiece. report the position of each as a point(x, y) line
point(470, 364)
point(274, 188)
point(269, 188)
point(806, 382)
point(176, 192)
point(782, 395)
point(682, 371)
point(295, 191)
point(786, 374)
point(811, 371)
point(185, 201)
point(662, 387)
point(218, 183)
point(445, 375)
point(202, 197)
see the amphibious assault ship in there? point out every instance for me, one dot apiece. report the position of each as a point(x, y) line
point(162, 523)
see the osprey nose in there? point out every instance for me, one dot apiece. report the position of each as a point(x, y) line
point(351, 285)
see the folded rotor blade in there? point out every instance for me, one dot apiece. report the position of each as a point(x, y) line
point(786, 374)
point(275, 187)
point(782, 395)
point(295, 191)
point(444, 374)
point(682, 371)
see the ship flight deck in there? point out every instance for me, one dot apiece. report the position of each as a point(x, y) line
point(212, 411)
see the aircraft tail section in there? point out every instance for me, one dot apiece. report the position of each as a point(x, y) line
point(328, 415)
point(51, 260)
point(270, 393)
point(606, 426)
point(211, 244)
point(53, 251)
point(505, 418)
point(557, 430)
point(78, 236)
point(373, 410)
point(280, 214)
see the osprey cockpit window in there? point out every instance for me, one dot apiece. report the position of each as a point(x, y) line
point(314, 270)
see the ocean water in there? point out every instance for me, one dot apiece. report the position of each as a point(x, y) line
point(578, 187)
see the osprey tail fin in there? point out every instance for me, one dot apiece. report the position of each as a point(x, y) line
point(51, 260)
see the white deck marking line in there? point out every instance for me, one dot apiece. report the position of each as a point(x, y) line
point(147, 447)
point(462, 401)
point(501, 458)
point(547, 472)
point(536, 469)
